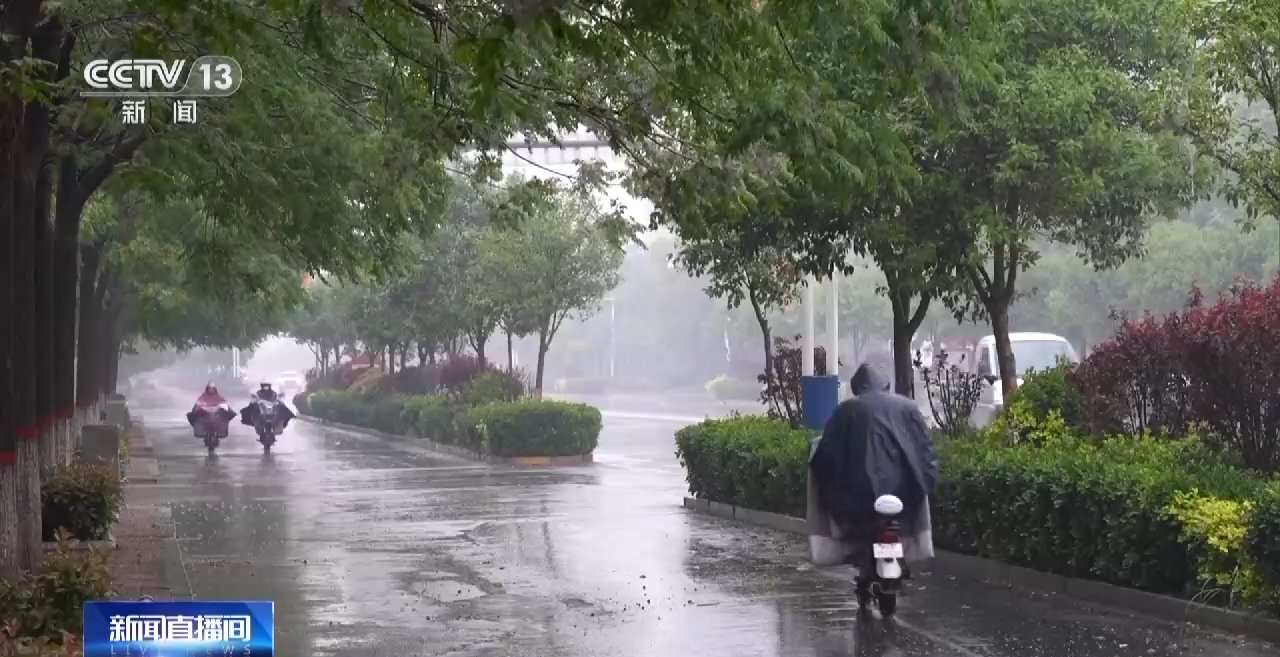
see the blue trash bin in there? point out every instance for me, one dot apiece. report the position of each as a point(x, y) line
point(819, 396)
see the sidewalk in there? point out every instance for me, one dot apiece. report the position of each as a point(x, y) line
point(144, 533)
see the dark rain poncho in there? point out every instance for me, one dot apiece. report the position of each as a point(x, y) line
point(875, 444)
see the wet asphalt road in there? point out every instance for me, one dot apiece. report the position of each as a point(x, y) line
point(374, 548)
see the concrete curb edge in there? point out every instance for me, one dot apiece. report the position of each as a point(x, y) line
point(998, 573)
point(454, 450)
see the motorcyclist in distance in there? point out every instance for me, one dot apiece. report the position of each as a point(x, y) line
point(210, 398)
point(248, 414)
point(208, 403)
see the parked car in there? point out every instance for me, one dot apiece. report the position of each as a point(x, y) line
point(1031, 351)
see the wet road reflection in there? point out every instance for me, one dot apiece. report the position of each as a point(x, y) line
point(372, 547)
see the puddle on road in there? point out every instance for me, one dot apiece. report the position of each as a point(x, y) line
point(448, 590)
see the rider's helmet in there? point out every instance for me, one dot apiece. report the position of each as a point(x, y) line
point(211, 389)
point(266, 385)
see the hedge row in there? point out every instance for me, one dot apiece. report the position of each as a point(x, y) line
point(1167, 516)
point(521, 428)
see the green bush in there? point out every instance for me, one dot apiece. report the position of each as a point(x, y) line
point(1081, 509)
point(1045, 391)
point(300, 402)
point(51, 601)
point(1263, 539)
point(83, 498)
point(433, 418)
point(1170, 516)
point(487, 388)
point(380, 413)
point(751, 461)
point(534, 428)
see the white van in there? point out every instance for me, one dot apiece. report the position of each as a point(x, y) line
point(1038, 351)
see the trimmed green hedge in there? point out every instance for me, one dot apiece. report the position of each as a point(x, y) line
point(1103, 512)
point(381, 413)
point(535, 428)
point(1168, 516)
point(752, 461)
point(522, 428)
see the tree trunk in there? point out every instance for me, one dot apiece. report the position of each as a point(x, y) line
point(542, 363)
point(859, 345)
point(86, 348)
point(24, 361)
point(904, 380)
point(105, 349)
point(45, 46)
point(110, 355)
point(67, 265)
point(906, 321)
point(10, 120)
point(766, 334)
point(479, 345)
point(998, 310)
point(511, 367)
point(46, 364)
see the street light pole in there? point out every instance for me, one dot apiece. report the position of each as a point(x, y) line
point(613, 317)
point(833, 326)
point(806, 355)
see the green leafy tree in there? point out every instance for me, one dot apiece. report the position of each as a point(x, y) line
point(567, 261)
point(1066, 143)
point(506, 280)
point(318, 325)
point(1233, 102)
point(764, 278)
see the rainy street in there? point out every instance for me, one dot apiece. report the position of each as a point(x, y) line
point(371, 547)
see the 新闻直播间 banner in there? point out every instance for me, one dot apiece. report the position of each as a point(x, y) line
point(172, 628)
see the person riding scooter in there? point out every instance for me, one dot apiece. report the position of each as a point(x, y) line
point(211, 405)
point(249, 414)
point(876, 444)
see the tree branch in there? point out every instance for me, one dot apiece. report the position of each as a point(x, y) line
point(917, 318)
point(93, 178)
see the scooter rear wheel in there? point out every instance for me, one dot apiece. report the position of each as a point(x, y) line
point(888, 603)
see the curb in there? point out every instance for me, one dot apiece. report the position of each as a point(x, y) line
point(77, 545)
point(998, 573)
point(454, 450)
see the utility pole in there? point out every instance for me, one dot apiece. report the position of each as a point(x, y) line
point(808, 341)
point(833, 327)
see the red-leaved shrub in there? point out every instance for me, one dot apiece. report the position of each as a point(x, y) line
point(1216, 365)
point(416, 380)
point(1231, 357)
point(1134, 382)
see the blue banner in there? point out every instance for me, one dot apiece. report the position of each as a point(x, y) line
point(179, 629)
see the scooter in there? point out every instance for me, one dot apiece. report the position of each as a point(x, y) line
point(211, 424)
point(881, 573)
point(267, 425)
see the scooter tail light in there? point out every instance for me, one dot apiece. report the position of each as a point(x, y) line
point(888, 534)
